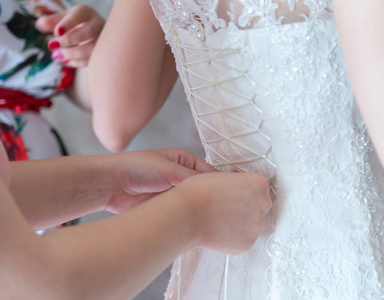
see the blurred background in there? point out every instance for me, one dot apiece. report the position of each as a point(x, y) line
point(172, 127)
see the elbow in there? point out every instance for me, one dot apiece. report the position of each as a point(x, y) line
point(113, 138)
point(117, 127)
point(114, 144)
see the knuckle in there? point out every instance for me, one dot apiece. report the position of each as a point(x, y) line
point(90, 32)
point(83, 64)
point(178, 150)
point(80, 53)
point(263, 182)
point(257, 180)
point(266, 204)
point(259, 226)
point(81, 37)
point(94, 31)
point(79, 64)
point(82, 8)
point(65, 41)
point(174, 152)
point(249, 242)
point(97, 27)
point(182, 154)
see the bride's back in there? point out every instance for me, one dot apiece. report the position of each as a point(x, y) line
point(269, 91)
point(229, 51)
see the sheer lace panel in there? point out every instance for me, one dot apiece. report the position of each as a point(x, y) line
point(208, 16)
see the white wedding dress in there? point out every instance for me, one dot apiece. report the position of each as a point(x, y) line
point(269, 91)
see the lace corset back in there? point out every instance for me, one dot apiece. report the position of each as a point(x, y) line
point(195, 29)
point(269, 91)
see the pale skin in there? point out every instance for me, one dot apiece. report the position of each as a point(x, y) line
point(116, 257)
point(141, 72)
point(131, 88)
point(75, 32)
point(361, 26)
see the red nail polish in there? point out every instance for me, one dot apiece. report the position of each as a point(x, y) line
point(61, 31)
point(65, 62)
point(53, 45)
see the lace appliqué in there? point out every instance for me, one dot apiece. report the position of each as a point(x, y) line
point(204, 17)
point(276, 98)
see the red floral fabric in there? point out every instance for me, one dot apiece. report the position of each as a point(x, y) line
point(13, 143)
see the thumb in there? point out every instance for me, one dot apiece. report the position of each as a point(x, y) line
point(47, 23)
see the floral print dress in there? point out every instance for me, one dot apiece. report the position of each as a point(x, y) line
point(28, 77)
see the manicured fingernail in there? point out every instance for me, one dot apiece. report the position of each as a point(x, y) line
point(65, 62)
point(53, 45)
point(57, 54)
point(61, 31)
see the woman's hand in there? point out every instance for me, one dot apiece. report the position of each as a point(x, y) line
point(141, 175)
point(87, 184)
point(75, 32)
point(226, 210)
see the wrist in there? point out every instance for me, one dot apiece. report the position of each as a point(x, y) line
point(99, 183)
point(190, 214)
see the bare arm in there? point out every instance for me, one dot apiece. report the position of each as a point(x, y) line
point(115, 258)
point(108, 259)
point(361, 25)
point(78, 93)
point(132, 72)
point(53, 191)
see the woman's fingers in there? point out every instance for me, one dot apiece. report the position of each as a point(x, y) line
point(73, 55)
point(46, 24)
point(74, 17)
point(83, 33)
point(75, 32)
point(187, 160)
point(76, 63)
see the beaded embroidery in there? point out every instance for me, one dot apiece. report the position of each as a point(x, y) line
point(268, 88)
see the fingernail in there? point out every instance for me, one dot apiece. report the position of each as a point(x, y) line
point(61, 31)
point(65, 62)
point(53, 45)
point(57, 54)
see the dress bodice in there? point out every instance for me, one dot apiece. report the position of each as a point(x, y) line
point(269, 91)
point(225, 52)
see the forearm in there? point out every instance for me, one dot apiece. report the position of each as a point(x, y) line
point(132, 72)
point(113, 258)
point(78, 93)
point(48, 197)
point(361, 31)
point(117, 257)
point(28, 267)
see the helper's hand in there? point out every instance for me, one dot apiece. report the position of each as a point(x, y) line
point(226, 210)
point(75, 32)
point(141, 175)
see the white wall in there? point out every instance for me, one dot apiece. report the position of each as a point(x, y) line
point(172, 127)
